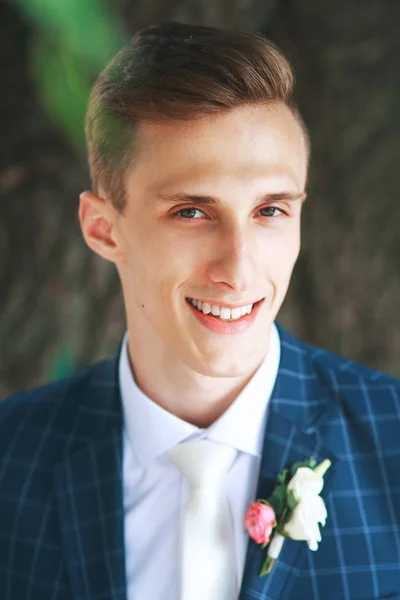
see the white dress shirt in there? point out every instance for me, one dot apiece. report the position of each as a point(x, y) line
point(154, 490)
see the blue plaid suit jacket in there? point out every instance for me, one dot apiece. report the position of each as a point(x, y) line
point(61, 515)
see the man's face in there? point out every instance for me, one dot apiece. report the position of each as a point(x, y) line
point(213, 214)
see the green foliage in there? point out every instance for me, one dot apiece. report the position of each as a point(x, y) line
point(291, 500)
point(266, 566)
point(85, 28)
point(63, 87)
point(278, 501)
point(64, 365)
point(282, 477)
point(310, 463)
point(283, 501)
point(287, 514)
point(74, 40)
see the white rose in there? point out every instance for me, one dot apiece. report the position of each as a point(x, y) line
point(306, 484)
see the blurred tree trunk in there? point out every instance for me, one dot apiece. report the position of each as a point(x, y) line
point(346, 291)
point(61, 306)
point(60, 303)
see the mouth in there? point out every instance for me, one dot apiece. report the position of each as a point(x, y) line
point(221, 312)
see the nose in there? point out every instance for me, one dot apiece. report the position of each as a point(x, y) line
point(235, 260)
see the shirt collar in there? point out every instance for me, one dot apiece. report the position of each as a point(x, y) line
point(151, 430)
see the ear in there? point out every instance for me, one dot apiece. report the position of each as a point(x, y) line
point(98, 221)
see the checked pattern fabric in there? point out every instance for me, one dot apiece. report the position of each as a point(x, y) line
point(61, 515)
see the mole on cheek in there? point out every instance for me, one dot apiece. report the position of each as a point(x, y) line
point(142, 305)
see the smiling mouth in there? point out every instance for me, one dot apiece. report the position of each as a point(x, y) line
point(220, 312)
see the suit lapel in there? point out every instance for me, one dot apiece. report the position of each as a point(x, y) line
point(88, 481)
point(88, 485)
point(298, 408)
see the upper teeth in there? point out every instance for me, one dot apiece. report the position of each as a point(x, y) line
point(221, 311)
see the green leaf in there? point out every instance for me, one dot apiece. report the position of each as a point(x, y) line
point(309, 463)
point(73, 41)
point(288, 514)
point(283, 475)
point(312, 462)
point(89, 30)
point(278, 500)
point(267, 566)
point(291, 500)
point(63, 87)
point(264, 502)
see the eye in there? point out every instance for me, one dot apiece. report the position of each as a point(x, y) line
point(189, 213)
point(270, 211)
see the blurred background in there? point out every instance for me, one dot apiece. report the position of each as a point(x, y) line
point(61, 305)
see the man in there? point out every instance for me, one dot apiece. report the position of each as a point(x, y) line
point(199, 160)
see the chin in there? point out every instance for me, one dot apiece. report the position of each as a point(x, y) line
point(228, 368)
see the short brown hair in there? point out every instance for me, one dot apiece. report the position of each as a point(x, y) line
point(176, 71)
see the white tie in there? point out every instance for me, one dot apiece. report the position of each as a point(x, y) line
point(208, 555)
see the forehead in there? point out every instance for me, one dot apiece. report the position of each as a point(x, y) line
point(263, 141)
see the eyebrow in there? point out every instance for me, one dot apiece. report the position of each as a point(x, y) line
point(206, 199)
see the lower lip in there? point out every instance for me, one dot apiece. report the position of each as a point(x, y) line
point(227, 327)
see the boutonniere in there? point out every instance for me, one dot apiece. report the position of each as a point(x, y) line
point(293, 510)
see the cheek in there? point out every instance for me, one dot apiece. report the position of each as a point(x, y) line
point(157, 275)
point(281, 250)
point(291, 251)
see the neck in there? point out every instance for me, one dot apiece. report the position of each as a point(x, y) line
point(190, 396)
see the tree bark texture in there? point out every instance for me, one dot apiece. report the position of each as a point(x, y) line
point(61, 305)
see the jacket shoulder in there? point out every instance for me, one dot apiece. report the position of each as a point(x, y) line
point(47, 411)
point(366, 394)
point(343, 380)
point(39, 400)
point(346, 371)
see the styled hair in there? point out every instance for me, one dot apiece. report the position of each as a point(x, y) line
point(176, 71)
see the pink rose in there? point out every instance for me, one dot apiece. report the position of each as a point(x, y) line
point(259, 522)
